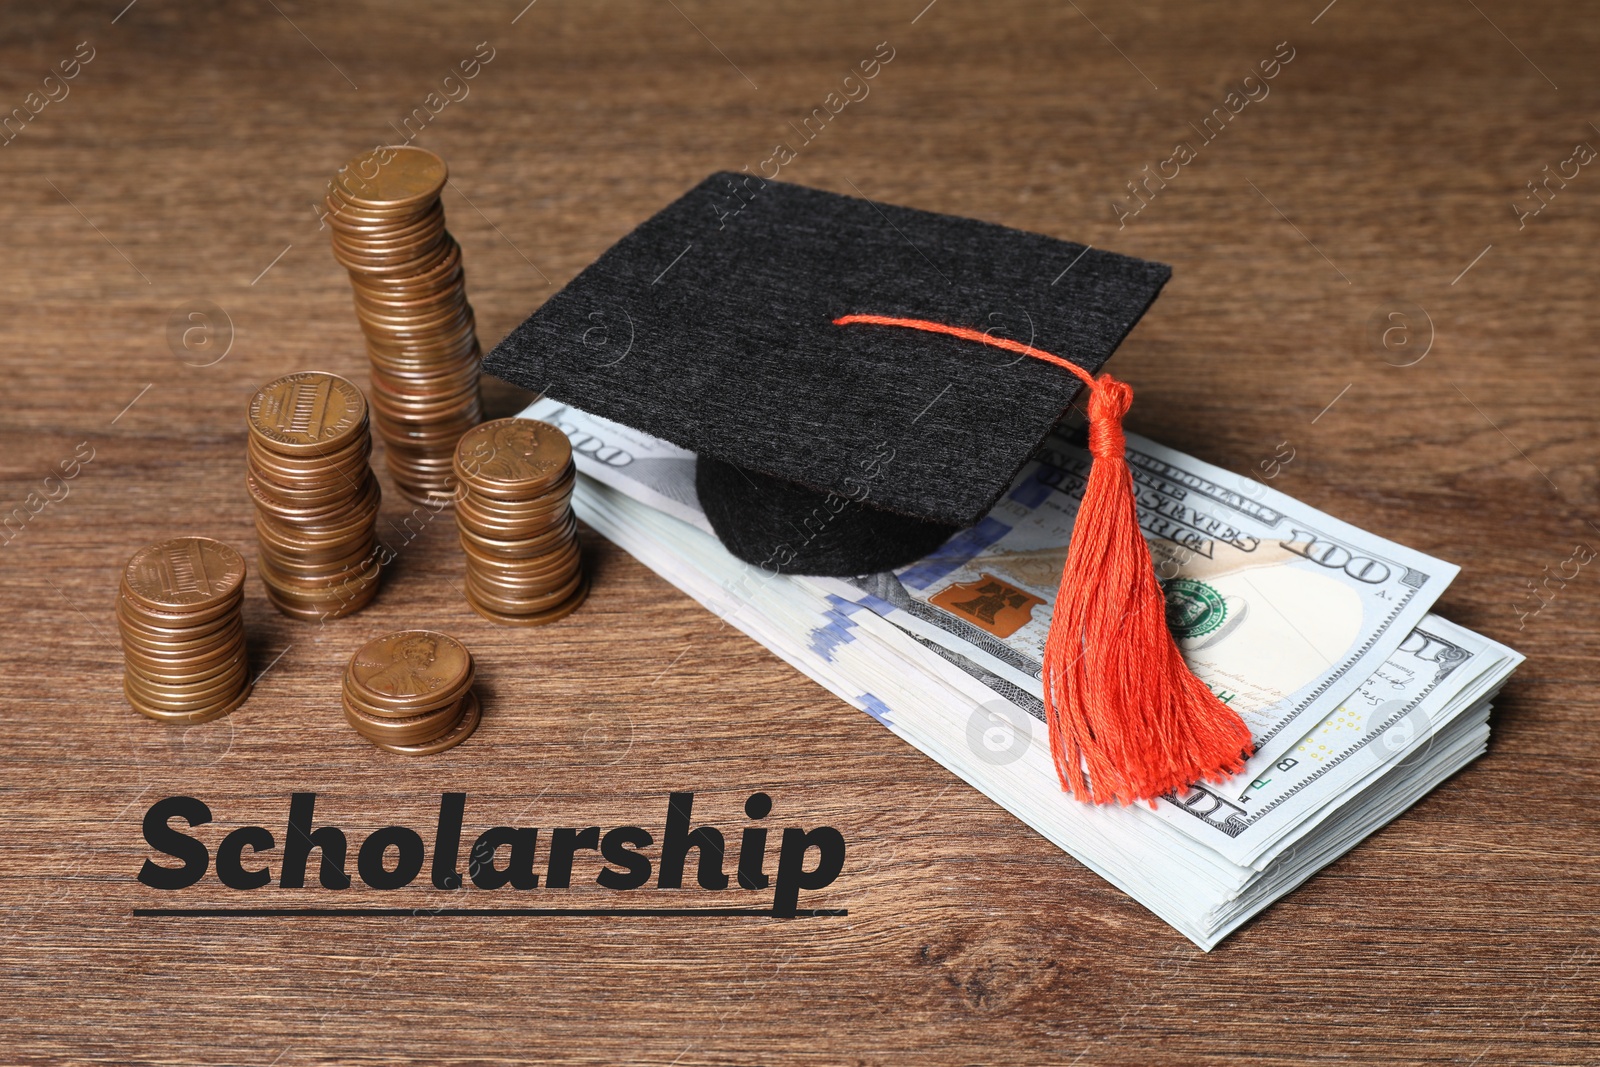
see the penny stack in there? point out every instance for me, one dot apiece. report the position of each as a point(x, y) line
point(411, 692)
point(183, 649)
point(410, 295)
point(315, 494)
point(514, 514)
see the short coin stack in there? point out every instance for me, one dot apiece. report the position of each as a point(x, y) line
point(182, 631)
point(410, 294)
point(514, 513)
point(315, 494)
point(411, 692)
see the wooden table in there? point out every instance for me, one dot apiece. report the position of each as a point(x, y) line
point(1380, 175)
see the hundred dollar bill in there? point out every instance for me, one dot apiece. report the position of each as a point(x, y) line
point(1281, 609)
point(1439, 671)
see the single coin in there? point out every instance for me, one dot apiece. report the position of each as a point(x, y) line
point(309, 412)
point(406, 708)
point(182, 574)
point(408, 668)
point(458, 733)
point(392, 177)
point(518, 457)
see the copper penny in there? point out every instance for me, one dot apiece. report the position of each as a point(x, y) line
point(458, 733)
point(183, 573)
point(191, 665)
point(530, 603)
point(409, 668)
point(404, 731)
point(514, 457)
point(170, 627)
point(550, 558)
point(561, 611)
point(309, 412)
point(392, 177)
point(388, 707)
point(187, 717)
point(334, 608)
point(186, 697)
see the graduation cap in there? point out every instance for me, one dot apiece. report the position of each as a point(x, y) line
point(860, 381)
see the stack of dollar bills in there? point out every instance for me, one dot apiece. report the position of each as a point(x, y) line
point(1319, 634)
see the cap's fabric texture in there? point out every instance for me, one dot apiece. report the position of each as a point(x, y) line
point(784, 527)
point(711, 326)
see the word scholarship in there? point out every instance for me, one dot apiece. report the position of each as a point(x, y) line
point(392, 858)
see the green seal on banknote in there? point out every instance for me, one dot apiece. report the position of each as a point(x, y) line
point(1193, 608)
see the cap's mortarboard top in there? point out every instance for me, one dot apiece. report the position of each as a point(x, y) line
point(829, 450)
point(813, 348)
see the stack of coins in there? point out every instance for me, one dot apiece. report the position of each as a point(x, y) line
point(405, 269)
point(182, 630)
point(411, 692)
point(514, 513)
point(315, 494)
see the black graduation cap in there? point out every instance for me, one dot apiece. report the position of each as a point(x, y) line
point(827, 449)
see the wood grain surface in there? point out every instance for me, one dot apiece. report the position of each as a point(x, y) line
point(1380, 174)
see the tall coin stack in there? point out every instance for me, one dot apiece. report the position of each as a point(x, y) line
point(514, 514)
point(410, 294)
point(315, 494)
point(411, 692)
point(183, 650)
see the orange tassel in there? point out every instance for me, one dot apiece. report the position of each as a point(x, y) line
point(1128, 720)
